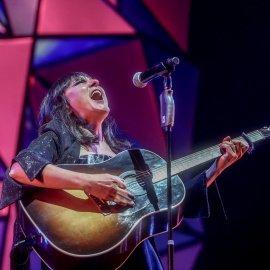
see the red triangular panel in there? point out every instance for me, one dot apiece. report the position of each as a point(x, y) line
point(135, 110)
point(14, 65)
point(36, 93)
point(22, 16)
point(174, 17)
point(78, 17)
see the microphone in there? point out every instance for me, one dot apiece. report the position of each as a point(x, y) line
point(140, 79)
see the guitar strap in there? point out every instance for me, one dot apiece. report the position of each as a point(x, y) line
point(141, 166)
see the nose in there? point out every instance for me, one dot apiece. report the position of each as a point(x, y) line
point(94, 82)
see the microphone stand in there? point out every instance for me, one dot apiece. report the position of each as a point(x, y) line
point(167, 119)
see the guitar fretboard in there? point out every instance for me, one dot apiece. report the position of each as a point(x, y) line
point(200, 157)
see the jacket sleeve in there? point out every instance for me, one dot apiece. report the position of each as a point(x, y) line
point(41, 151)
point(196, 202)
point(200, 199)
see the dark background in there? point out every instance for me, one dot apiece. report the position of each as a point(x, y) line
point(230, 42)
point(221, 87)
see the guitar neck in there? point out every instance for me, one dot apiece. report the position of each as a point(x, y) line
point(200, 157)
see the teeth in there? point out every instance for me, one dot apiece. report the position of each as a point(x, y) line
point(96, 95)
point(95, 92)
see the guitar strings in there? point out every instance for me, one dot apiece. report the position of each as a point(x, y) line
point(140, 176)
point(185, 160)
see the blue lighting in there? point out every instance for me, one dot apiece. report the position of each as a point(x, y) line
point(48, 51)
point(2, 14)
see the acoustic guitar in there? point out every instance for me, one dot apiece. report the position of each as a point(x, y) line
point(76, 231)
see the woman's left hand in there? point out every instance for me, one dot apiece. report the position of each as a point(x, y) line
point(231, 150)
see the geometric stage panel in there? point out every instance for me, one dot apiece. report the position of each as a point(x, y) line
point(49, 51)
point(14, 65)
point(77, 17)
point(174, 17)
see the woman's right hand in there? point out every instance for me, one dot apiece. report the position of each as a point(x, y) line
point(108, 187)
point(103, 186)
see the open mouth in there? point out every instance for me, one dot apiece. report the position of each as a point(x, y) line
point(96, 95)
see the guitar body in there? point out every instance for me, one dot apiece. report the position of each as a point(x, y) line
point(74, 231)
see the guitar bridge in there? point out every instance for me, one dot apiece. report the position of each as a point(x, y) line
point(104, 206)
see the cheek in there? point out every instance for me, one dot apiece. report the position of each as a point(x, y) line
point(77, 100)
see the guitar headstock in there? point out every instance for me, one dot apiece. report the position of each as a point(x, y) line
point(266, 132)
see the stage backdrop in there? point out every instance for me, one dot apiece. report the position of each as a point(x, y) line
point(220, 88)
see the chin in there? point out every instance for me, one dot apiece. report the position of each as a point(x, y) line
point(104, 112)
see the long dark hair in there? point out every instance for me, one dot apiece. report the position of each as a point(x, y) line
point(55, 106)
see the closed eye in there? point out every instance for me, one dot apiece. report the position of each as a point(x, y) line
point(80, 80)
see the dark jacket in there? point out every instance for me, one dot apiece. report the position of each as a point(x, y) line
point(57, 146)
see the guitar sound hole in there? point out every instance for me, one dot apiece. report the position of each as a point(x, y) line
point(137, 182)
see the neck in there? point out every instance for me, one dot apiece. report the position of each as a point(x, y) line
point(97, 130)
point(96, 124)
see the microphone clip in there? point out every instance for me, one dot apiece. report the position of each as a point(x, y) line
point(167, 108)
